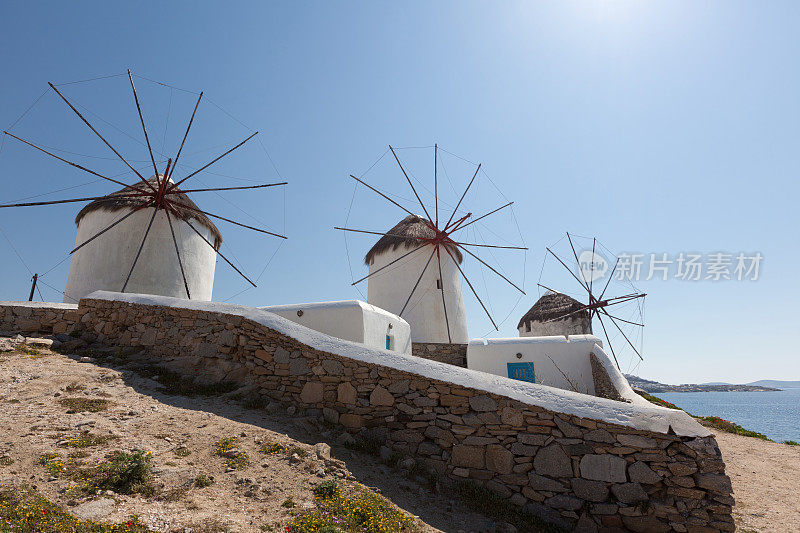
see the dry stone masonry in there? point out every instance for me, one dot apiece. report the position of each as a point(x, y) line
point(580, 473)
point(37, 317)
point(452, 354)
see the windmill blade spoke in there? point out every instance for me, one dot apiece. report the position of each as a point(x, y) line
point(92, 172)
point(175, 185)
point(462, 197)
point(417, 283)
point(578, 264)
point(591, 268)
point(370, 232)
point(173, 202)
point(186, 134)
point(623, 320)
point(100, 136)
point(52, 202)
point(144, 129)
point(436, 199)
point(623, 333)
point(483, 216)
point(562, 317)
point(491, 246)
point(610, 277)
point(409, 182)
point(608, 340)
point(490, 268)
point(549, 289)
point(568, 269)
point(178, 253)
point(390, 264)
point(96, 235)
point(444, 305)
point(471, 287)
point(228, 188)
point(381, 194)
point(141, 246)
point(219, 253)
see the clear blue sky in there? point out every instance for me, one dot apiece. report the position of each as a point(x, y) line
point(657, 126)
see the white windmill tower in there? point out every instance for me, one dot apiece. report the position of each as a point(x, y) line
point(148, 237)
point(107, 265)
point(415, 268)
point(422, 301)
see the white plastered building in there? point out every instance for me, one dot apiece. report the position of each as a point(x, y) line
point(389, 288)
point(104, 263)
point(351, 320)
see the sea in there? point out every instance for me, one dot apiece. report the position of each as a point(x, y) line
point(776, 414)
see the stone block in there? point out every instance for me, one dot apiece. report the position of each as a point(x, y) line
point(351, 421)
point(346, 393)
point(281, 356)
point(639, 472)
point(562, 501)
point(537, 482)
point(629, 492)
point(511, 416)
point(482, 403)
point(646, 524)
point(719, 483)
point(552, 461)
point(312, 392)
point(263, 355)
point(593, 491)
point(333, 367)
point(381, 397)
point(636, 441)
point(499, 459)
point(299, 366)
point(603, 468)
point(467, 456)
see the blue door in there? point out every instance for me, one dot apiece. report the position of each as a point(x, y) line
point(521, 371)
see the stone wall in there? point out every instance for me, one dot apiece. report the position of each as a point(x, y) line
point(603, 387)
point(37, 317)
point(584, 474)
point(452, 354)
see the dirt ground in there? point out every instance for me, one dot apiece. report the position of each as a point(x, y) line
point(765, 475)
point(34, 422)
point(766, 482)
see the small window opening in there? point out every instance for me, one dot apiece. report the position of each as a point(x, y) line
point(388, 342)
point(528, 327)
point(438, 284)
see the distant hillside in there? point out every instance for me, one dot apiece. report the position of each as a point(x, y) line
point(654, 386)
point(777, 383)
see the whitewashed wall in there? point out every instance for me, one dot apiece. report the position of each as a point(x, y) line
point(351, 320)
point(548, 355)
point(104, 263)
point(390, 288)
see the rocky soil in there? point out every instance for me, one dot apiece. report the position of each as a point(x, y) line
point(766, 482)
point(181, 432)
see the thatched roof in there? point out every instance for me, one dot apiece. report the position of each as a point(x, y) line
point(551, 306)
point(407, 233)
point(116, 202)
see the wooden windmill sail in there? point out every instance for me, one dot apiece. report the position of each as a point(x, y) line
point(159, 205)
point(598, 305)
point(423, 257)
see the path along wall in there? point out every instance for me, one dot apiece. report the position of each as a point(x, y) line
point(583, 462)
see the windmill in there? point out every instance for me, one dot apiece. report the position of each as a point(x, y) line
point(168, 205)
point(590, 267)
point(416, 266)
